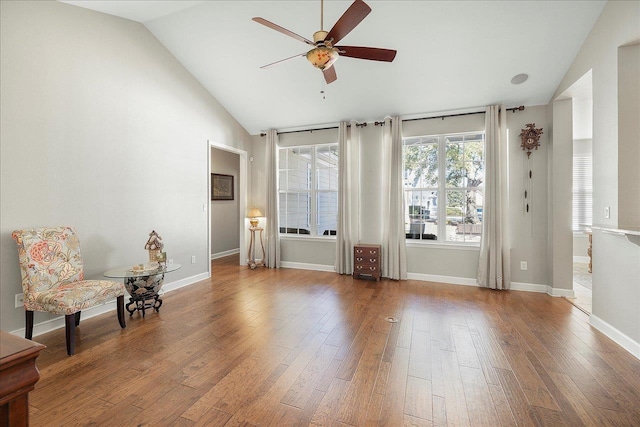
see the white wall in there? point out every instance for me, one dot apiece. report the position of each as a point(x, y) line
point(616, 260)
point(225, 214)
point(560, 249)
point(629, 135)
point(104, 130)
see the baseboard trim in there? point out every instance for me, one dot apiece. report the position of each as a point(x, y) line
point(307, 266)
point(529, 287)
point(581, 259)
point(168, 287)
point(58, 322)
point(559, 292)
point(451, 280)
point(225, 253)
point(616, 336)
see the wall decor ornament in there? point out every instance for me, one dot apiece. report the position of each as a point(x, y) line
point(530, 138)
point(529, 141)
point(221, 187)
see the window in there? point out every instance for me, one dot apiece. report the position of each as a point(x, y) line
point(308, 187)
point(582, 192)
point(443, 184)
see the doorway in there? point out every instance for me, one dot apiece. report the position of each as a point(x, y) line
point(226, 225)
point(581, 94)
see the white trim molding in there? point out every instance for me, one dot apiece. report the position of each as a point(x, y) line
point(614, 334)
point(225, 253)
point(58, 322)
point(543, 289)
point(581, 259)
point(306, 266)
point(529, 287)
point(559, 292)
point(451, 280)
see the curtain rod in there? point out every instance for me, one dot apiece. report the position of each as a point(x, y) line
point(360, 125)
point(513, 109)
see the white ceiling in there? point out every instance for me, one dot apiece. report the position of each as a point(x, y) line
point(452, 55)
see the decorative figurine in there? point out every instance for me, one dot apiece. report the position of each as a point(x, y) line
point(154, 246)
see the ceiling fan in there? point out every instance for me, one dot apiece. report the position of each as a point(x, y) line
point(325, 52)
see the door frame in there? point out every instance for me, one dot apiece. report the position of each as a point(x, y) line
point(242, 196)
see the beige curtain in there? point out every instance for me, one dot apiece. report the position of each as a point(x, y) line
point(494, 269)
point(394, 257)
point(273, 229)
point(348, 196)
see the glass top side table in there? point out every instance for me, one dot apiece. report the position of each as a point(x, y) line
point(142, 286)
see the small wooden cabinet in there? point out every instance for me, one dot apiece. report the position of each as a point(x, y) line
point(367, 261)
point(18, 375)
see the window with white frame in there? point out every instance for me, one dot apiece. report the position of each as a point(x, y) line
point(582, 192)
point(443, 187)
point(308, 190)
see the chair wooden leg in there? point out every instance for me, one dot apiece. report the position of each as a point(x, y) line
point(28, 330)
point(78, 318)
point(70, 328)
point(120, 306)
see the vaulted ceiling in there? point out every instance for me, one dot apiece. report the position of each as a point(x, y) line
point(452, 55)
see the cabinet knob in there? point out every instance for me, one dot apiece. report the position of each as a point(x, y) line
point(372, 268)
point(372, 260)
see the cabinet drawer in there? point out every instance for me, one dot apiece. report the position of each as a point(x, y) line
point(366, 260)
point(366, 269)
point(366, 251)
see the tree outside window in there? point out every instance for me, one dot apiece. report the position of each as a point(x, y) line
point(444, 176)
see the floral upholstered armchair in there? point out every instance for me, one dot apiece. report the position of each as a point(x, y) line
point(53, 279)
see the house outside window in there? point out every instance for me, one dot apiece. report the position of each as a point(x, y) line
point(308, 190)
point(443, 187)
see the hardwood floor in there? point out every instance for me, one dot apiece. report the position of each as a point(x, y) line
point(293, 347)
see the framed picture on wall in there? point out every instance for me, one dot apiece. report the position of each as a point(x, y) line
point(221, 187)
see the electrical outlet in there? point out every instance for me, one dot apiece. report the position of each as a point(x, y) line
point(523, 265)
point(19, 300)
point(193, 259)
point(607, 212)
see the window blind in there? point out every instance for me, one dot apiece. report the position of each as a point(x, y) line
point(582, 192)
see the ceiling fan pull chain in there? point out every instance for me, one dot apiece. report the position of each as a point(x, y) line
point(321, 15)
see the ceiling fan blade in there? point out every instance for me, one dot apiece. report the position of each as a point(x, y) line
point(330, 75)
point(282, 60)
point(282, 30)
point(371, 53)
point(348, 21)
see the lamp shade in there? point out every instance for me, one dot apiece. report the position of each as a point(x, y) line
point(254, 213)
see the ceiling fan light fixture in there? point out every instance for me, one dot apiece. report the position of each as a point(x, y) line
point(319, 37)
point(322, 57)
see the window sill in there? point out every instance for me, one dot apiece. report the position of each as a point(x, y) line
point(308, 237)
point(440, 245)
